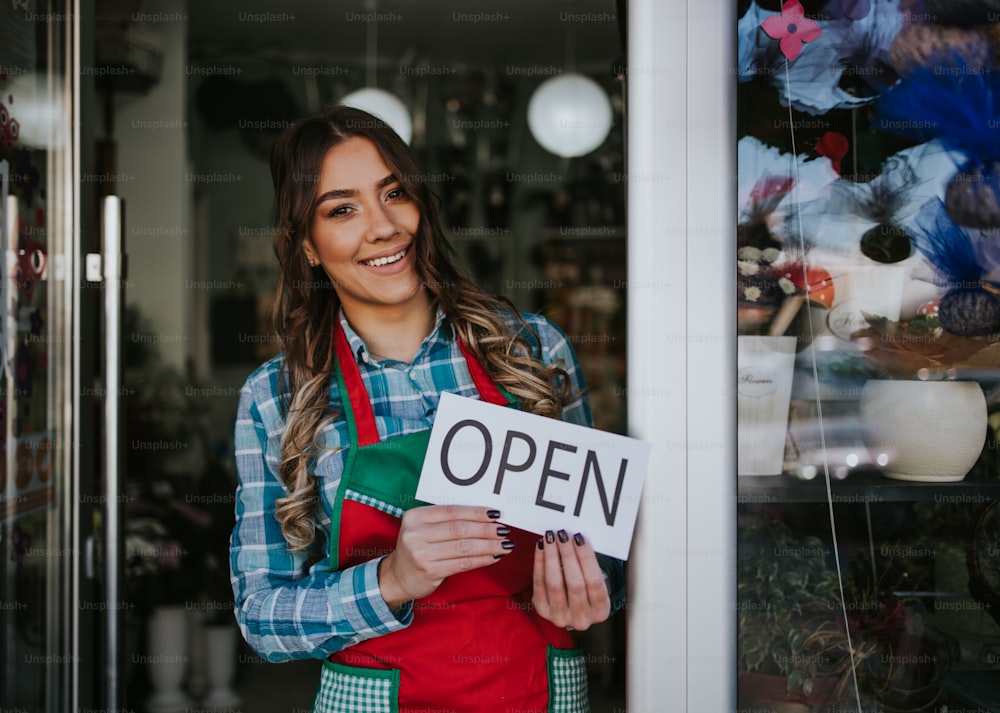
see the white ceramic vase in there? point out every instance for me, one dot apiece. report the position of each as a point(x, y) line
point(930, 431)
point(220, 666)
point(168, 659)
point(197, 682)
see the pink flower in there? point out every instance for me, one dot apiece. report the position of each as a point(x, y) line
point(792, 28)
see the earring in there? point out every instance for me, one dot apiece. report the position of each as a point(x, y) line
point(312, 263)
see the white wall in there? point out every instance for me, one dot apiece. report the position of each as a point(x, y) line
point(151, 134)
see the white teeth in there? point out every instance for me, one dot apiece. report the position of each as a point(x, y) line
point(378, 262)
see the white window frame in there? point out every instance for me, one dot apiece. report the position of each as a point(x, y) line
point(681, 353)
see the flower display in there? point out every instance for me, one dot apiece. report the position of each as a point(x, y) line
point(970, 306)
point(165, 548)
point(855, 43)
point(772, 289)
point(922, 107)
point(919, 347)
point(887, 275)
point(768, 180)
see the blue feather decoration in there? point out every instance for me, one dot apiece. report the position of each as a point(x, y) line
point(952, 101)
point(988, 249)
point(948, 248)
point(970, 306)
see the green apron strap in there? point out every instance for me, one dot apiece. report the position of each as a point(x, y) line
point(352, 453)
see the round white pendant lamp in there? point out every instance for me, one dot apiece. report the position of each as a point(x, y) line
point(569, 115)
point(375, 101)
point(385, 106)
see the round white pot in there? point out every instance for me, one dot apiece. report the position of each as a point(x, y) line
point(220, 660)
point(168, 659)
point(931, 431)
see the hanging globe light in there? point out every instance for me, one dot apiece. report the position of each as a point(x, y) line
point(385, 106)
point(375, 101)
point(569, 115)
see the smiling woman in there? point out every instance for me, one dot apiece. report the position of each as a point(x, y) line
point(412, 607)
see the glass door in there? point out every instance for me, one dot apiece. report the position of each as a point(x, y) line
point(37, 448)
point(191, 98)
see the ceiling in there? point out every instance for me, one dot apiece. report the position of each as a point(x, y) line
point(514, 36)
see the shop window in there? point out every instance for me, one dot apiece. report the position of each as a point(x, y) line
point(867, 287)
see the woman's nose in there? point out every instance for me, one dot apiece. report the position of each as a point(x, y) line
point(383, 224)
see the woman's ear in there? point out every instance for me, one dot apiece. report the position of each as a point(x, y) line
point(310, 254)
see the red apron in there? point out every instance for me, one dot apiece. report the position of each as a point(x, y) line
point(475, 644)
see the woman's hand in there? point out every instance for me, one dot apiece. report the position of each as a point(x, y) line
point(436, 542)
point(569, 587)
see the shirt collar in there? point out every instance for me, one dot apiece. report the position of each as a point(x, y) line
point(442, 334)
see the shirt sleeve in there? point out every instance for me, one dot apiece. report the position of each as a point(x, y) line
point(556, 347)
point(288, 605)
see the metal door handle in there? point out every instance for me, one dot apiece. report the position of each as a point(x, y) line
point(8, 317)
point(111, 262)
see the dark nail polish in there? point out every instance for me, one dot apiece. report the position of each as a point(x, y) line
point(503, 531)
point(507, 544)
point(496, 557)
point(578, 539)
point(563, 536)
point(541, 543)
point(550, 537)
point(493, 514)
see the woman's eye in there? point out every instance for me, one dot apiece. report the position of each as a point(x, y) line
point(339, 210)
point(396, 193)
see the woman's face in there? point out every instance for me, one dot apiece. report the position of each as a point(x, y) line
point(362, 230)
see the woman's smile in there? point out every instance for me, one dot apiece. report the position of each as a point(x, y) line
point(383, 260)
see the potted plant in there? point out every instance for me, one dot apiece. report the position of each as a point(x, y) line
point(218, 631)
point(170, 554)
point(177, 542)
point(806, 637)
point(949, 530)
point(165, 562)
point(902, 658)
point(791, 648)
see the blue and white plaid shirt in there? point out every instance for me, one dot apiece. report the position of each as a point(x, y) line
point(288, 604)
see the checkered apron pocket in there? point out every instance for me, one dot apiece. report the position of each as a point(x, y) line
point(567, 681)
point(349, 689)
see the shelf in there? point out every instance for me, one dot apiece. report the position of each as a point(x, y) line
point(862, 486)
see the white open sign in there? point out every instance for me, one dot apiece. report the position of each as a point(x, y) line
point(540, 473)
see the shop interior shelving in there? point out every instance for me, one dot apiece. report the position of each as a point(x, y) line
point(861, 486)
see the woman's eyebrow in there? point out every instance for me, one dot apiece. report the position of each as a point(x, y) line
point(336, 193)
point(348, 192)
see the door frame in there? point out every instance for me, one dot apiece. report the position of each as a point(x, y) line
point(682, 353)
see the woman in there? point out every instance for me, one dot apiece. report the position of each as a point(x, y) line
point(414, 607)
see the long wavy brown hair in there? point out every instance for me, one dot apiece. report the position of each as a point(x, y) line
point(306, 304)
